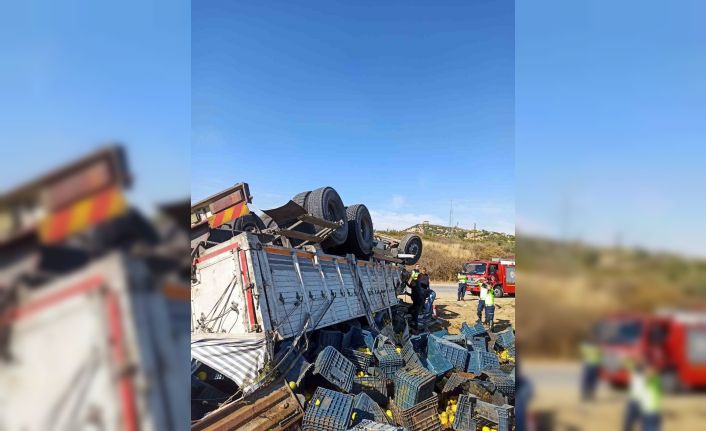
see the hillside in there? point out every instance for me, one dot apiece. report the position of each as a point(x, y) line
point(446, 249)
point(575, 285)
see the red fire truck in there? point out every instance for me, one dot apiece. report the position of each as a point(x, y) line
point(673, 341)
point(501, 270)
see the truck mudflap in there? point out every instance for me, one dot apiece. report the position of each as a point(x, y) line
point(241, 287)
point(240, 358)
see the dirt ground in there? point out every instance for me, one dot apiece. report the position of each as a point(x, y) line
point(454, 313)
point(556, 400)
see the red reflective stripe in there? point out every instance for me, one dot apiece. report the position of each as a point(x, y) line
point(39, 304)
point(59, 224)
point(100, 205)
point(215, 253)
point(248, 290)
point(125, 387)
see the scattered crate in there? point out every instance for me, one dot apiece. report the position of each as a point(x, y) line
point(330, 338)
point(436, 363)
point(473, 331)
point(479, 361)
point(328, 411)
point(374, 384)
point(479, 344)
point(416, 344)
point(440, 332)
point(505, 339)
point(504, 382)
point(464, 414)
point(459, 339)
point(389, 361)
point(412, 385)
point(368, 425)
point(453, 352)
point(422, 417)
point(335, 368)
point(355, 339)
point(365, 407)
point(498, 415)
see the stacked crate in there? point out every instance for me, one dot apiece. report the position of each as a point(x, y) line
point(389, 361)
point(412, 385)
point(328, 411)
point(335, 368)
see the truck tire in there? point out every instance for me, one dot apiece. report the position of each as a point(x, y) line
point(249, 223)
point(325, 203)
point(411, 244)
point(300, 199)
point(670, 382)
point(267, 221)
point(498, 291)
point(360, 233)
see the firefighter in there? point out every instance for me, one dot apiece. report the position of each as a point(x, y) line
point(483, 290)
point(462, 280)
point(635, 391)
point(417, 295)
point(489, 308)
point(651, 401)
point(591, 365)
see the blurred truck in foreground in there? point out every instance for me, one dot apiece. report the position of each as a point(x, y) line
point(674, 341)
point(92, 299)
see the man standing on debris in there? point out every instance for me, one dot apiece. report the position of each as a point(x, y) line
point(429, 295)
point(483, 290)
point(462, 280)
point(417, 295)
point(591, 366)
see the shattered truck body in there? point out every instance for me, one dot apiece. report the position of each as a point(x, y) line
point(87, 351)
point(246, 296)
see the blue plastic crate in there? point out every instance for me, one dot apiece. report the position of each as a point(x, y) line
point(330, 338)
point(436, 363)
point(464, 413)
point(453, 352)
point(368, 425)
point(505, 339)
point(416, 344)
point(328, 411)
point(440, 332)
point(472, 331)
point(389, 361)
point(498, 415)
point(412, 385)
point(422, 417)
point(504, 382)
point(365, 407)
point(374, 384)
point(335, 368)
point(459, 339)
point(355, 339)
point(479, 361)
point(479, 344)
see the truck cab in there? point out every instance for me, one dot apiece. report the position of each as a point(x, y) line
point(502, 271)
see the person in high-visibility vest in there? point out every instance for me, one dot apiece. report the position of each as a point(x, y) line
point(636, 387)
point(651, 401)
point(412, 280)
point(483, 290)
point(489, 308)
point(462, 280)
point(591, 355)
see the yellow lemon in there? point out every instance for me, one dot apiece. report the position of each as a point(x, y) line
point(317, 402)
point(454, 408)
point(486, 428)
point(444, 421)
point(451, 418)
point(307, 396)
point(201, 375)
point(293, 385)
point(388, 413)
point(353, 416)
point(398, 350)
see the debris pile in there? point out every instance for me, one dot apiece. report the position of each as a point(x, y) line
point(358, 378)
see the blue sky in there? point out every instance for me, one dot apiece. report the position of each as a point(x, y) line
point(611, 115)
point(76, 74)
point(403, 106)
